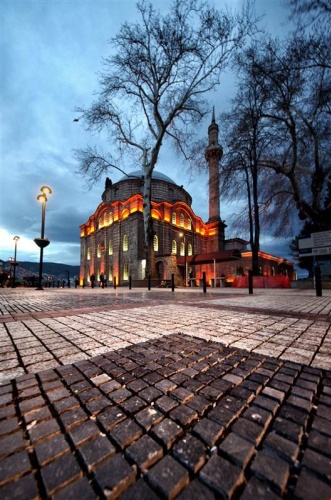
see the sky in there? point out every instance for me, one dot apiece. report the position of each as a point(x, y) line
point(51, 53)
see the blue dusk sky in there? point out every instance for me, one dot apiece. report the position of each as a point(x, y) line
point(51, 52)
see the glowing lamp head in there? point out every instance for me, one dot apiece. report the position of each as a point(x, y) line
point(16, 238)
point(46, 190)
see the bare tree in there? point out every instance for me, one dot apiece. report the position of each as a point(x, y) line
point(154, 87)
point(296, 109)
point(242, 177)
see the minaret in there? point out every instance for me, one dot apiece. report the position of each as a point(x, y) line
point(213, 155)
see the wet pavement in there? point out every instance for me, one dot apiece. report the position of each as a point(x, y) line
point(160, 394)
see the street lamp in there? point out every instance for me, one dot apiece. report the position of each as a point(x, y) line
point(15, 263)
point(185, 263)
point(42, 242)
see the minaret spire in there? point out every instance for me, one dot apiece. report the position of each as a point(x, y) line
point(213, 155)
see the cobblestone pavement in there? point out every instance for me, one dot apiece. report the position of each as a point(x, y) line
point(159, 394)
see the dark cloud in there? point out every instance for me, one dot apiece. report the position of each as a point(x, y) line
point(51, 53)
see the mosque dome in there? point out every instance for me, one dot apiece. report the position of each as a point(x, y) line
point(155, 176)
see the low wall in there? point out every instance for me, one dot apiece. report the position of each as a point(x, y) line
point(263, 282)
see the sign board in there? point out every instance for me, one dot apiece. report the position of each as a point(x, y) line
point(315, 244)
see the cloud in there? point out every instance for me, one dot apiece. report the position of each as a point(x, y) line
point(52, 52)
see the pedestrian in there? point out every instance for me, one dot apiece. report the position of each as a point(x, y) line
point(92, 278)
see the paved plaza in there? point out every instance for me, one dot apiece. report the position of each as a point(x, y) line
point(142, 394)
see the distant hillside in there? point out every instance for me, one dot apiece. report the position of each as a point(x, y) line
point(50, 268)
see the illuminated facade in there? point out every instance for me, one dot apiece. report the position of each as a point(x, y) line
point(112, 240)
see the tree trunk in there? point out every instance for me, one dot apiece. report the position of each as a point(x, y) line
point(148, 222)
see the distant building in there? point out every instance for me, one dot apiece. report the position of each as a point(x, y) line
point(112, 240)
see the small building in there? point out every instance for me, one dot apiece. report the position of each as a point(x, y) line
point(112, 240)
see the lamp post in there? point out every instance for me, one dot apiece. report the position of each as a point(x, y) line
point(42, 242)
point(185, 263)
point(15, 263)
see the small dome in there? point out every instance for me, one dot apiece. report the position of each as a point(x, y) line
point(156, 176)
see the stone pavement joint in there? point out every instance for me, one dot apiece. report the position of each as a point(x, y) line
point(165, 398)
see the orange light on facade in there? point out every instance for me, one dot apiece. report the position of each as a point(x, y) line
point(212, 232)
point(155, 214)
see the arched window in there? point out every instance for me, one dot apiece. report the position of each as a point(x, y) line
point(189, 249)
point(110, 247)
point(125, 243)
point(101, 220)
point(155, 243)
point(189, 223)
point(99, 250)
point(88, 255)
point(182, 248)
point(181, 220)
point(174, 247)
point(126, 272)
point(173, 218)
point(111, 218)
point(110, 273)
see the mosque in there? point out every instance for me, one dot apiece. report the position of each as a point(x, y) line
point(112, 240)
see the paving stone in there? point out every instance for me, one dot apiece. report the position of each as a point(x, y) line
point(208, 430)
point(133, 405)
point(274, 393)
point(23, 487)
point(8, 426)
point(258, 490)
point(150, 393)
point(66, 404)
point(111, 386)
point(166, 404)
point(287, 450)
point(12, 443)
point(237, 449)
point(110, 417)
point(196, 490)
point(96, 451)
point(191, 452)
point(318, 441)
point(31, 404)
point(165, 386)
point(139, 491)
point(266, 403)
point(59, 473)
point(222, 476)
point(168, 477)
point(115, 476)
point(200, 404)
point(149, 417)
point(289, 429)
point(43, 430)
point(320, 464)
point(97, 405)
point(52, 449)
point(272, 469)
point(84, 432)
point(258, 415)
point(145, 452)
point(167, 432)
point(73, 417)
point(81, 489)
point(322, 425)
point(125, 433)
point(309, 486)
point(14, 466)
point(248, 429)
point(183, 415)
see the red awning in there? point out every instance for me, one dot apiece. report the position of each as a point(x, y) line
point(209, 258)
